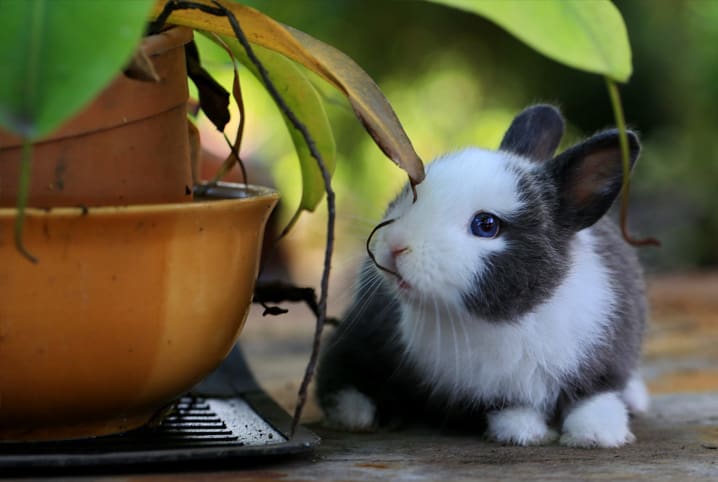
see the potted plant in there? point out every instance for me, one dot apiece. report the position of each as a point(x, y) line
point(137, 309)
point(106, 314)
point(111, 322)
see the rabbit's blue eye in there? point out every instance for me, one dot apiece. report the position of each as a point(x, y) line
point(485, 225)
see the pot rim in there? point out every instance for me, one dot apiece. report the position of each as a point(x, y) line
point(225, 193)
point(166, 40)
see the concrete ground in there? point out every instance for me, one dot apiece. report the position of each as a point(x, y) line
point(676, 440)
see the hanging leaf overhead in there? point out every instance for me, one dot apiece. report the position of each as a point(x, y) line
point(50, 69)
point(366, 99)
point(301, 96)
point(584, 34)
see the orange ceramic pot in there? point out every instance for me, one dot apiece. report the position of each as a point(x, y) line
point(126, 309)
point(129, 146)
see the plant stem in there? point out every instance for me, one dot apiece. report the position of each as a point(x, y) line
point(329, 248)
point(220, 10)
point(626, 183)
point(22, 195)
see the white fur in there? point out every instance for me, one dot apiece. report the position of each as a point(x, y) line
point(635, 395)
point(520, 426)
point(599, 421)
point(351, 410)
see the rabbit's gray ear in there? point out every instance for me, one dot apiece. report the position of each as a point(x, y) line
point(534, 133)
point(589, 176)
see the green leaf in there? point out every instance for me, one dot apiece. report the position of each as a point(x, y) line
point(584, 34)
point(57, 55)
point(365, 97)
point(303, 99)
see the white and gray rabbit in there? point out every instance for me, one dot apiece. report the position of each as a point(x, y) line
point(501, 299)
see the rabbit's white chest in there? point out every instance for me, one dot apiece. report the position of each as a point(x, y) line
point(521, 362)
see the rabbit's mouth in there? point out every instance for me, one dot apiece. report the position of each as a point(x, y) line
point(402, 284)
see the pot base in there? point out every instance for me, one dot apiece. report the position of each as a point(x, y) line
point(126, 309)
point(83, 430)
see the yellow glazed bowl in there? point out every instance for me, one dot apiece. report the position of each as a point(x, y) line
point(126, 309)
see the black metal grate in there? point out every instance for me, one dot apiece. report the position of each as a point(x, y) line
point(209, 422)
point(193, 421)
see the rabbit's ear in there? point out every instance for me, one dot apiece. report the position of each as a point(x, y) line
point(589, 176)
point(534, 133)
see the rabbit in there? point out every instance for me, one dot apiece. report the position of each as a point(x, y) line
point(500, 299)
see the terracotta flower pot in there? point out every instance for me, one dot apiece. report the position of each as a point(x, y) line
point(129, 146)
point(126, 309)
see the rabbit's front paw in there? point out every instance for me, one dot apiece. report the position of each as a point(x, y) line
point(520, 426)
point(599, 421)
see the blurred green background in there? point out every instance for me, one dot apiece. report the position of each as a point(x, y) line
point(455, 79)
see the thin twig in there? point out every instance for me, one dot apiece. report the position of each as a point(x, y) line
point(329, 248)
point(280, 292)
point(625, 187)
point(173, 5)
point(371, 253)
point(220, 10)
point(229, 162)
